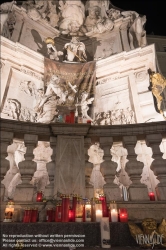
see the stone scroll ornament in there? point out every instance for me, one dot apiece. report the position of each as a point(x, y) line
point(151, 236)
point(158, 88)
point(75, 85)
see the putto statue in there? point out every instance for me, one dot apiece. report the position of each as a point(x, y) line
point(75, 51)
point(51, 49)
point(84, 105)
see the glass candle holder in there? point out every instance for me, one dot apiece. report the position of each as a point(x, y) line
point(79, 211)
point(114, 215)
point(9, 210)
point(27, 215)
point(65, 208)
point(88, 212)
point(49, 215)
point(34, 215)
point(74, 202)
point(104, 205)
point(67, 119)
point(72, 117)
point(152, 196)
point(123, 215)
point(99, 212)
point(58, 213)
point(70, 215)
point(39, 197)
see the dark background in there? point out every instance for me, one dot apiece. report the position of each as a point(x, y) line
point(154, 10)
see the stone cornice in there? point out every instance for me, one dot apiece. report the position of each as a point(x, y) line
point(44, 131)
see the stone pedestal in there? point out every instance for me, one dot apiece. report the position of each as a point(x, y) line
point(70, 164)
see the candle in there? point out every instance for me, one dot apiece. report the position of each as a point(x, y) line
point(39, 197)
point(49, 215)
point(74, 206)
point(105, 233)
point(70, 214)
point(114, 215)
point(152, 196)
point(9, 210)
point(88, 212)
point(34, 215)
point(58, 213)
point(123, 215)
point(72, 117)
point(79, 211)
point(65, 208)
point(104, 205)
point(99, 212)
point(27, 215)
point(67, 119)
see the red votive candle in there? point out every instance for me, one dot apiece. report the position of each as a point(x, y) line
point(74, 206)
point(72, 117)
point(58, 213)
point(39, 197)
point(152, 196)
point(88, 121)
point(104, 206)
point(67, 119)
point(123, 215)
point(27, 215)
point(70, 215)
point(34, 215)
point(65, 209)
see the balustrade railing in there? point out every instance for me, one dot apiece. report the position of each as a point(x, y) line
point(128, 135)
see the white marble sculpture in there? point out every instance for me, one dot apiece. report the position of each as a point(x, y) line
point(51, 49)
point(71, 16)
point(85, 101)
point(6, 7)
point(75, 51)
point(96, 157)
point(137, 33)
point(14, 108)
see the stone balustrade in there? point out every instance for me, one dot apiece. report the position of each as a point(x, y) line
point(70, 143)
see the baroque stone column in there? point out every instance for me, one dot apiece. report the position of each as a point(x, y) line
point(158, 166)
point(108, 169)
point(88, 170)
point(6, 139)
point(51, 169)
point(137, 190)
point(24, 191)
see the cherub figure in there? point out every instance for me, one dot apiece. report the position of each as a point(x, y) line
point(51, 49)
point(84, 105)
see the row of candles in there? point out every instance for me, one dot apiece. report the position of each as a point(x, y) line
point(79, 210)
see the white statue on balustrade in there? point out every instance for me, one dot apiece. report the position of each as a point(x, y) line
point(137, 33)
point(42, 155)
point(96, 157)
point(85, 101)
point(71, 16)
point(12, 178)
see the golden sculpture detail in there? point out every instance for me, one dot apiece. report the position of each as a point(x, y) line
point(151, 235)
point(158, 85)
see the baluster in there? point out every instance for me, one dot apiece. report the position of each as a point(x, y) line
point(88, 169)
point(51, 169)
point(108, 169)
point(134, 168)
point(158, 166)
point(24, 191)
point(6, 140)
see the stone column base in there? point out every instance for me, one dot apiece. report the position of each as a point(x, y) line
point(24, 193)
point(112, 192)
point(161, 192)
point(138, 192)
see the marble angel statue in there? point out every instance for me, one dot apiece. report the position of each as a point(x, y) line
point(84, 105)
point(96, 157)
